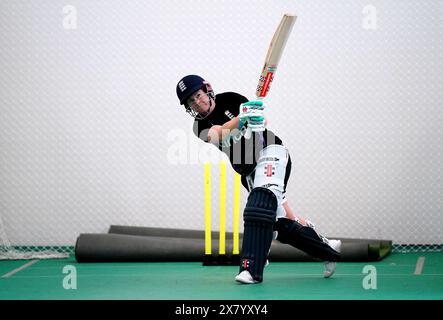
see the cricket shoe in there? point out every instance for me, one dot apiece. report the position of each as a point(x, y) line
point(331, 265)
point(245, 277)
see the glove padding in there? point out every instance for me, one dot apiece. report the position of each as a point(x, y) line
point(256, 123)
point(252, 105)
point(251, 112)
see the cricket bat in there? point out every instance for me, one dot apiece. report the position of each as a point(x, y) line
point(273, 56)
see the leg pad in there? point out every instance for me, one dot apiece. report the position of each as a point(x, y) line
point(259, 218)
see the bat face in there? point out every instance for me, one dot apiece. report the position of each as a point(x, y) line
point(275, 50)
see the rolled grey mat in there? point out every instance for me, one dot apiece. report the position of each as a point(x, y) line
point(165, 232)
point(127, 248)
point(132, 248)
point(353, 249)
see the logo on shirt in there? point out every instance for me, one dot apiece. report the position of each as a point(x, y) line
point(229, 114)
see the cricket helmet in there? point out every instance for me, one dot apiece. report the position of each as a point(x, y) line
point(190, 84)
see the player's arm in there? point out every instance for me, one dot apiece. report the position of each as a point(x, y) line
point(220, 133)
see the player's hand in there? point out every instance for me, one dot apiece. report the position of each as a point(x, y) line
point(251, 109)
point(251, 112)
point(255, 120)
point(252, 105)
point(256, 123)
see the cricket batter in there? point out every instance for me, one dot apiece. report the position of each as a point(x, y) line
point(264, 165)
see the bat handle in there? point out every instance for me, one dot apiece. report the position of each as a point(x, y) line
point(248, 133)
point(260, 134)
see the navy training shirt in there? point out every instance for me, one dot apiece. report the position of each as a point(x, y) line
point(242, 153)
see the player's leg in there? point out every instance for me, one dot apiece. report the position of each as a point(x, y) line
point(330, 266)
point(283, 209)
point(259, 217)
point(248, 183)
point(273, 172)
point(306, 239)
point(267, 182)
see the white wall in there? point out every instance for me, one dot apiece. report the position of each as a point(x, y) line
point(90, 124)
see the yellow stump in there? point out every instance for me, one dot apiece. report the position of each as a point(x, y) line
point(237, 181)
point(236, 211)
point(222, 239)
point(208, 244)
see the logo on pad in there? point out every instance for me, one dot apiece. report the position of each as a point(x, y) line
point(269, 170)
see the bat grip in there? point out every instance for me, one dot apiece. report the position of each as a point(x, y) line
point(260, 134)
